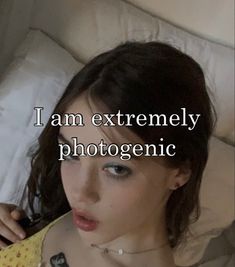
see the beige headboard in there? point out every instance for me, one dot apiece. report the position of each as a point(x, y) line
point(213, 19)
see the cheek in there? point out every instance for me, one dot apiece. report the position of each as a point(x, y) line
point(133, 201)
point(64, 173)
point(144, 197)
point(67, 178)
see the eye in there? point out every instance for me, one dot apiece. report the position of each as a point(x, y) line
point(71, 157)
point(117, 171)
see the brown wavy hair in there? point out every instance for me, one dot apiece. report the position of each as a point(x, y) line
point(136, 78)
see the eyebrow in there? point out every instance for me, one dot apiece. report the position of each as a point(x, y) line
point(66, 141)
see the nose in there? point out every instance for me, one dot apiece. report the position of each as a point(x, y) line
point(86, 191)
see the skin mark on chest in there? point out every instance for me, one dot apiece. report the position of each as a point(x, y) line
point(59, 260)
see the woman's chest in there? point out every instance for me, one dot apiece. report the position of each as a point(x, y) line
point(63, 247)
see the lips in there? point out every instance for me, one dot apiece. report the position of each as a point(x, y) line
point(84, 220)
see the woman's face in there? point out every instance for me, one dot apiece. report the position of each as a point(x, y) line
point(124, 196)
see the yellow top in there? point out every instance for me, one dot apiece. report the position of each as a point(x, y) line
point(26, 253)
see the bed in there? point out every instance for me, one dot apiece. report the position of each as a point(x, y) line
point(45, 42)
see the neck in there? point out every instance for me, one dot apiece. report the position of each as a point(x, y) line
point(141, 238)
point(144, 237)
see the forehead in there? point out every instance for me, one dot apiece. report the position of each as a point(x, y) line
point(91, 133)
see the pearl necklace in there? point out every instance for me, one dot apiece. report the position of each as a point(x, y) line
point(120, 251)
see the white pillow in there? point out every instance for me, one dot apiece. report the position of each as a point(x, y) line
point(217, 203)
point(37, 77)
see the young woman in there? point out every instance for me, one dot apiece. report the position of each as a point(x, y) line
point(123, 212)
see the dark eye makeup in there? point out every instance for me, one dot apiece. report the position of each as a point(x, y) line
point(117, 171)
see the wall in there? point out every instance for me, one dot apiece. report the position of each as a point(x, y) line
point(14, 22)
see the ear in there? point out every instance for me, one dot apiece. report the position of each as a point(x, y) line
point(180, 176)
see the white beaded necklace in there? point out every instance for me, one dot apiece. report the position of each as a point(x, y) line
point(120, 251)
